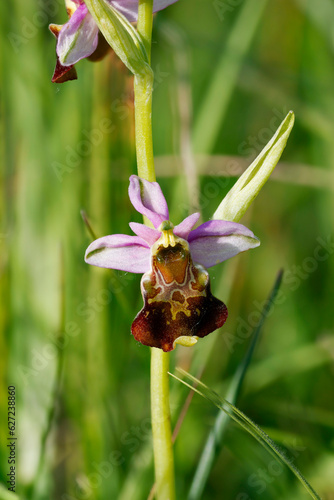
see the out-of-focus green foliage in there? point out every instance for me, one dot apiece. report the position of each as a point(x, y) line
point(82, 382)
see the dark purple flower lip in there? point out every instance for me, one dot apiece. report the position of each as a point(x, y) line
point(178, 304)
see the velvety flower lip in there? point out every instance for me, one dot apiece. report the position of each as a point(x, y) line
point(211, 243)
point(78, 38)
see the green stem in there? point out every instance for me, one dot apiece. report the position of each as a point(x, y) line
point(143, 127)
point(145, 22)
point(161, 425)
point(143, 86)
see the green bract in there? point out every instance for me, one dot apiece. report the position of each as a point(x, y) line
point(248, 186)
point(121, 36)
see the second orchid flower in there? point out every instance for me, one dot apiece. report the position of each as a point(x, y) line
point(80, 37)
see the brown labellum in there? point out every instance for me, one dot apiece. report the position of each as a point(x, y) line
point(177, 298)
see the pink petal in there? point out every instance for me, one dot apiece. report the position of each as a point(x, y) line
point(147, 198)
point(61, 73)
point(78, 38)
point(129, 8)
point(183, 229)
point(146, 233)
point(119, 251)
point(216, 241)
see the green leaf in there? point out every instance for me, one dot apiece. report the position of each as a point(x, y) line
point(213, 444)
point(247, 424)
point(7, 495)
point(248, 186)
point(121, 36)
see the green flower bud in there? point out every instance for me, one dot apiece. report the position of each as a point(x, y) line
point(121, 36)
point(248, 186)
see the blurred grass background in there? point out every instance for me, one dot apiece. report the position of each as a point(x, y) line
point(227, 72)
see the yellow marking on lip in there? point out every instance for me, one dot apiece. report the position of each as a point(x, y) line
point(176, 308)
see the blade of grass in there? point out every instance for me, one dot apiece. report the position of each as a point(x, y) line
point(178, 42)
point(302, 359)
point(298, 174)
point(217, 98)
point(310, 116)
point(214, 441)
point(247, 424)
point(315, 415)
point(7, 495)
point(32, 490)
point(88, 225)
point(321, 13)
point(120, 295)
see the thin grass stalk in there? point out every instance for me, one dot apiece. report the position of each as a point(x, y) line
point(214, 441)
point(247, 424)
point(214, 104)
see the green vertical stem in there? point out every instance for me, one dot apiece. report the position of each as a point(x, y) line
point(161, 425)
point(145, 22)
point(143, 127)
point(143, 87)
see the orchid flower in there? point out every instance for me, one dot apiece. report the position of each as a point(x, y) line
point(80, 37)
point(178, 304)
